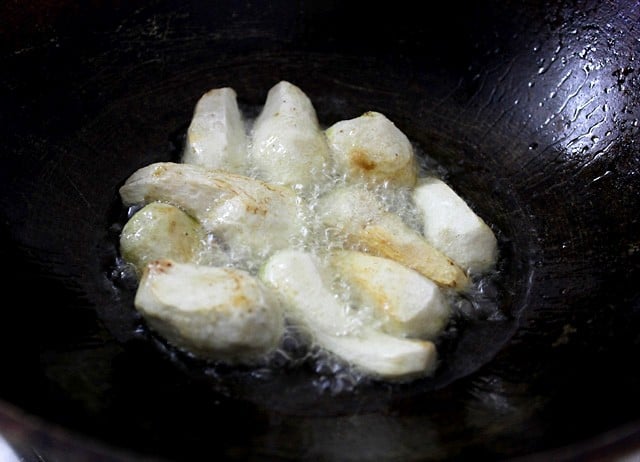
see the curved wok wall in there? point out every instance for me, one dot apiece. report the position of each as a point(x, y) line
point(531, 108)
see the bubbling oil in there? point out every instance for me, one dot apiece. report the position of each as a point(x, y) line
point(297, 348)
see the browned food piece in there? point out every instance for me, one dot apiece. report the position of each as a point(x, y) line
point(251, 216)
point(356, 213)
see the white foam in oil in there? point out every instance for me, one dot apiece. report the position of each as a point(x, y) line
point(332, 374)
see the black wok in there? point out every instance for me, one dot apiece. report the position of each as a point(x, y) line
point(530, 109)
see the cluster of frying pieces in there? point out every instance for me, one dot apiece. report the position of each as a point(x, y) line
point(280, 224)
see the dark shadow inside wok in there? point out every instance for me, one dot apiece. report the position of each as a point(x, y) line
point(541, 146)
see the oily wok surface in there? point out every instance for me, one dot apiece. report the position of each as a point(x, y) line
point(528, 109)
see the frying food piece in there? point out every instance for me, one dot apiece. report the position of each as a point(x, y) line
point(288, 145)
point(452, 227)
point(356, 213)
point(216, 137)
point(160, 230)
point(406, 303)
point(371, 149)
point(297, 279)
point(252, 217)
point(218, 313)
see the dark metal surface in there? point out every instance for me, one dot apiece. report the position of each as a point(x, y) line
point(532, 110)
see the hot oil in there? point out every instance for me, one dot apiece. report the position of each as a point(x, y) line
point(297, 350)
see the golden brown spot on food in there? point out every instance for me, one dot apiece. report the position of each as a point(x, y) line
point(237, 281)
point(381, 300)
point(239, 300)
point(160, 266)
point(421, 257)
point(159, 170)
point(255, 209)
point(360, 160)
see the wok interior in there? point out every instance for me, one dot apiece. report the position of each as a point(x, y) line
point(534, 131)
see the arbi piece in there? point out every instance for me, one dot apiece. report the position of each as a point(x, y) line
point(452, 227)
point(251, 216)
point(356, 213)
point(218, 313)
point(160, 230)
point(404, 301)
point(288, 145)
point(371, 149)
point(217, 137)
point(297, 279)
